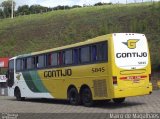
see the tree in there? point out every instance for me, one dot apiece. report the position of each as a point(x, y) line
point(37, 9)
point(1, 14)
point(76, 6)
point(61, 7)
point(98, 4)
point(23, 10)
point(7, 7)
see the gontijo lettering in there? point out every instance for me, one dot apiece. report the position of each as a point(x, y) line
point(131, 54)
point(57, 73)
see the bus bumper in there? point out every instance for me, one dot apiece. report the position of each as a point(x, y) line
point(134, 91)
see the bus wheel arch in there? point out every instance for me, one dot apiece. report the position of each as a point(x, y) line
point(73, 95)
point(17, 94)
point(86, 95)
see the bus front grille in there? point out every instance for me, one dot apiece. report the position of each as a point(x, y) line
point(100, 88)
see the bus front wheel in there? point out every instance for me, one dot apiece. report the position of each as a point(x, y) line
point(118, 100)
point(86, 97)
point(73, 95)
point(18, 95)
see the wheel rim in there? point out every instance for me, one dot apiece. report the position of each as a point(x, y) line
point(87, 98)
point(73, 97)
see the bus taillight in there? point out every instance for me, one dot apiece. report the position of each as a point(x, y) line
point(114, 80)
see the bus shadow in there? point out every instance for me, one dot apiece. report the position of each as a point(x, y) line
point(99, 104)
point(112, 105)
point(49, 101)
point(44, 100)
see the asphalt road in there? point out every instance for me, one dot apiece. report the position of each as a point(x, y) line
point(139, 104)
point(140, 107)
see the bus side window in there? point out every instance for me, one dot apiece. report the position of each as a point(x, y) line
point(48, 60)
point(18, 65)
point(68, 57)
point(60, 58)
point(85, 54)
point(102, 51)
point(79, 55)
point(29, 63)
point(94, 53)
point(75, 56)
point(24, 64)
point(40, 61)
point(34, 62)
point(54, 58)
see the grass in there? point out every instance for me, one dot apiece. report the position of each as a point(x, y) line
point(36, 32)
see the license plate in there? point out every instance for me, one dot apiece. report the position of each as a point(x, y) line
point(136, 81)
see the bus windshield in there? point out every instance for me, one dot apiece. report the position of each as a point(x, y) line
point(130, 51)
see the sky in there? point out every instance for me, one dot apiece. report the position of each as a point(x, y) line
point(53, 3)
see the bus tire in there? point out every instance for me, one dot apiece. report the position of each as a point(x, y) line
point(18, 95)
point(86, 97)
point(118, 100)
point(73, 96)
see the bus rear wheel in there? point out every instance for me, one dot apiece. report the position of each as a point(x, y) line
point(118, 100)
point(86, 97)
point(73, 95)
point(18, 95)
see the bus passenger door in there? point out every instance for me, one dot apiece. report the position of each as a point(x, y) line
point(10, 73)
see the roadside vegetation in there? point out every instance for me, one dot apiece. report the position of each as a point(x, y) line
point(29, 33)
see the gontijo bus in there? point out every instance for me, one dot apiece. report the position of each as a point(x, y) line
point(113, 66)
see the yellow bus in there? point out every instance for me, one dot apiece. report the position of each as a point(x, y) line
point(108, 67)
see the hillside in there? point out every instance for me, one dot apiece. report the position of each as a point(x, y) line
point(43, 31)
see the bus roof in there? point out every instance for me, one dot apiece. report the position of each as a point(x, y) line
point(89, 41)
